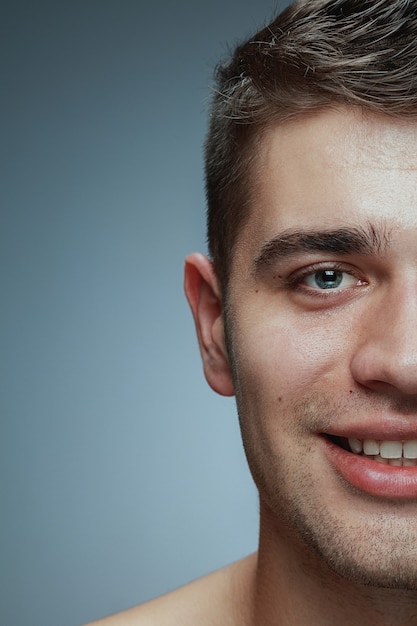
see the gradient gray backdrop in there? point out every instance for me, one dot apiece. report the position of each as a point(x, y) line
point(122, 473)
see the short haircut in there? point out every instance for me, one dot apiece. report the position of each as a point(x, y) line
point(315, 54)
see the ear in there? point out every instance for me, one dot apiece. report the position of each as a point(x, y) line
point(204, 297)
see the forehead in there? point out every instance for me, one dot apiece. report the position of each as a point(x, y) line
point(350, 133)
point(333, 168)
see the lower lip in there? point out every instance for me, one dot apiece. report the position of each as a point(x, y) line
point(376, 479)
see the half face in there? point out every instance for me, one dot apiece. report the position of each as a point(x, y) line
point(322, 329)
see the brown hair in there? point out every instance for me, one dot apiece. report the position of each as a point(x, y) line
point(315, 54)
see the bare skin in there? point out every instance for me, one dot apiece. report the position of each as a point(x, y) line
point(322, 347)
point(220, 598)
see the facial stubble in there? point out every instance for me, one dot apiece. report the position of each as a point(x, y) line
point(376, 547)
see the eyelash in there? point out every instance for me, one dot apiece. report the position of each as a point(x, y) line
point(294, 280)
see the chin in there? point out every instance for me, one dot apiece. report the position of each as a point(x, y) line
point(380, 555)
point(394, 576)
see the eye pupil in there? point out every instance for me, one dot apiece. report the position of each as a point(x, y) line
point(328, 279)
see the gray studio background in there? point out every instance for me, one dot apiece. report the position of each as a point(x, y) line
point(122, 473)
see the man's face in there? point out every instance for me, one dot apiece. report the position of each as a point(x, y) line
point(322, 328)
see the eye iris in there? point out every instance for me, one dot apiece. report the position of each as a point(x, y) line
point(328, 279)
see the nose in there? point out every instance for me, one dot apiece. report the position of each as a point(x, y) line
point(386, 355)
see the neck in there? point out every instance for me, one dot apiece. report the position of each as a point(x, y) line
point(294, 587)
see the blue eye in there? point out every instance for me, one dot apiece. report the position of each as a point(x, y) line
point(329, 279)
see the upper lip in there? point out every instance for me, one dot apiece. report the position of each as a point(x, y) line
point(392, 429)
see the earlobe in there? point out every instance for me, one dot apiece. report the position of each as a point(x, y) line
point(204, 297)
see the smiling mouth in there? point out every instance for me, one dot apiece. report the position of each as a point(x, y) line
point(395, 453)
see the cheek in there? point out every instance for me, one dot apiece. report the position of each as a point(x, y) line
point(281, 370)
point(283, 359)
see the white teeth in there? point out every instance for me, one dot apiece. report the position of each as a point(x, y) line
point(370, 447)
point(396, 453)
point(391, 449)
point(410, 449)
point(381, 459)
point(355, 445)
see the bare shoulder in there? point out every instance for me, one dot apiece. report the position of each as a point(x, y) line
point(219, 599)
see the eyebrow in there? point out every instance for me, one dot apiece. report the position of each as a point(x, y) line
point(366, 240)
